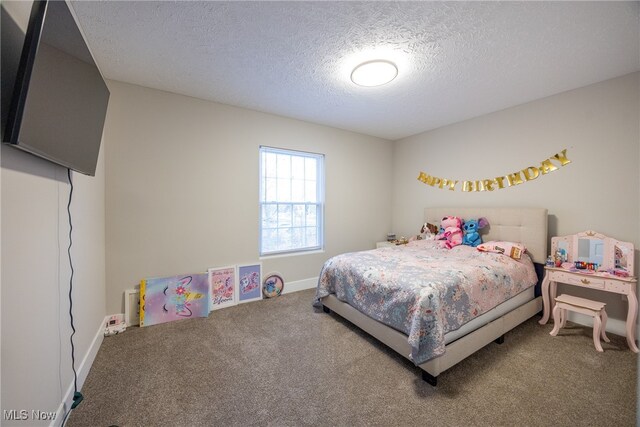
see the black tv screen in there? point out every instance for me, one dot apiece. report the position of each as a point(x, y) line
point(60, 99)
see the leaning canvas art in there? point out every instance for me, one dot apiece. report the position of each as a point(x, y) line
point(166, 299)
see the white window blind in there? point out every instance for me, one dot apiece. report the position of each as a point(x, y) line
point(291, 201)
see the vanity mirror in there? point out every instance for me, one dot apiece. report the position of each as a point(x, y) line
point(623, 257)
point(562, 249)
point(590, 250)
point(595, 249)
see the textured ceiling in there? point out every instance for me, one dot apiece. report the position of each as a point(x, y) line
point(456, 60)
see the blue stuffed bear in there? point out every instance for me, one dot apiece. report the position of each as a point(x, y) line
point(471, 235)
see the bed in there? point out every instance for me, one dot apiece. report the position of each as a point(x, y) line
point(440, 335)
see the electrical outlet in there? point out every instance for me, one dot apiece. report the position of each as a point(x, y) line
point(132, 307)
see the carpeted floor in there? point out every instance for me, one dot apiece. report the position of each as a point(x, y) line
point(278, 362)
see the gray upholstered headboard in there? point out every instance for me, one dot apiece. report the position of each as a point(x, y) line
point(525, 225)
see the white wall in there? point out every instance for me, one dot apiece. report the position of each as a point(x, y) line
point(182, 187)
point(35, 349)
point(598, 190)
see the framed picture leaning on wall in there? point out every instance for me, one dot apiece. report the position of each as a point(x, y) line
point(249, 283)
point(222, 283)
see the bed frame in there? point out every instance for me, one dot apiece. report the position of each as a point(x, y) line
point(526, 225)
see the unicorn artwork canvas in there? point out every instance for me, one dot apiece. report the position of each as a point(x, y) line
point(166, 299)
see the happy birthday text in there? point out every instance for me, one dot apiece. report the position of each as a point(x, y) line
point(528, 174)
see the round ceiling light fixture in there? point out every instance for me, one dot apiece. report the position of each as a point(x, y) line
point(374, 73)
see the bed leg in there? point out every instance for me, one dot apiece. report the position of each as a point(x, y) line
point(500, 340)
point(426, 376)
point(326, 309)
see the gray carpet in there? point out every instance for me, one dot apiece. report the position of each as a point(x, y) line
point(278, 362)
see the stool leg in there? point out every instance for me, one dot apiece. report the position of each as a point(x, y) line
point(604, 326)
point(563, 315)
point(556, 320)
point(597, 323)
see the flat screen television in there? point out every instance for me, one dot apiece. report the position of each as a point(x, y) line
point(60, 99)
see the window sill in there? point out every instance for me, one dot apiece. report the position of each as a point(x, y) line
point(289, 254)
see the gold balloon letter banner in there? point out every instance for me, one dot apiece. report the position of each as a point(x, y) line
point(509, 180)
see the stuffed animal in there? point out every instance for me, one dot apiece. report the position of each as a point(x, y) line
point(450, 231)
point(471, 235)
point(428, 231)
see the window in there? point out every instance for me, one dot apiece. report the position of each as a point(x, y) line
point(291, 201)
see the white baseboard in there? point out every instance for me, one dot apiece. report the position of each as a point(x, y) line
point(82, 371)
point(615, 326)
point(300, 285)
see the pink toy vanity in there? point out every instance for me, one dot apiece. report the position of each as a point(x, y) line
point(615, 272)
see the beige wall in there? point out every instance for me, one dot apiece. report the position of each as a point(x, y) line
point(182, 187)
point(598, 190)
point(36, 352)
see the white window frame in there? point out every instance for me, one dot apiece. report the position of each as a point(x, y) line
point(319, 202)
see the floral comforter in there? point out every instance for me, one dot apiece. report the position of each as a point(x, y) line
point(424, 290)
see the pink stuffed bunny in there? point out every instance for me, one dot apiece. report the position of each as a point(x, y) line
point(450, 231)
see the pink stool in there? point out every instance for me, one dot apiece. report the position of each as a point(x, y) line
point(589, 307)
